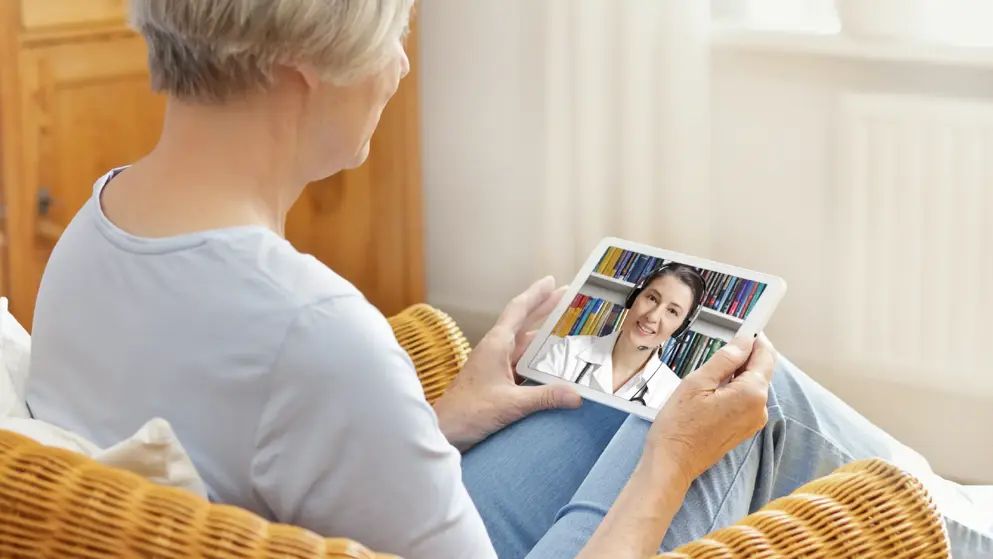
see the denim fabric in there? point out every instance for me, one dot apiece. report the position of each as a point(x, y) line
point(544, 484)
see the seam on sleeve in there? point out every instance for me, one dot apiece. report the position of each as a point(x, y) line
point(278, 354)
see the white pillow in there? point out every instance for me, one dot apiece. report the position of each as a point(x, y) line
point(153, 452)
point(15, 360)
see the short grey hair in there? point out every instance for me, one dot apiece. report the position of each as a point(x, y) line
point(213, 50)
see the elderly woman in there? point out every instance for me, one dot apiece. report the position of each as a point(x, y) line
point(173, 293)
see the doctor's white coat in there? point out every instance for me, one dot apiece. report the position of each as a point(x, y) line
point(567, 357)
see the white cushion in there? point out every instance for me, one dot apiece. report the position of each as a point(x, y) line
point(153, 452)
point(969, 505)
point(15, 358)
point(982, 496)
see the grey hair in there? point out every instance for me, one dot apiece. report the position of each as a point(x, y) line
point(213, 50)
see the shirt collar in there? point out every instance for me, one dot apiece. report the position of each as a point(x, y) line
point(654, 372)
point(600, 350)
point(599, 353)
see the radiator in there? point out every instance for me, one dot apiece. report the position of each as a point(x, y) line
point(913, 241)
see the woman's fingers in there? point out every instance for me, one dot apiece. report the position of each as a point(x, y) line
point(522, 343)
point(752, 385)
point(728, 360)
point(515, 315)
point(763, 357)
point(546, 307)
point(760, 366)
point(539, 315)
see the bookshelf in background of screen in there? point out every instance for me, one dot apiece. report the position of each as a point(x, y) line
point(598, 308)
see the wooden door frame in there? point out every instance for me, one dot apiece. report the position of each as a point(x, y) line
point(16, 224)
point(414, 195)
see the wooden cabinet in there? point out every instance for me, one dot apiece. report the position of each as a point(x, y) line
point(85, 108)
point(75, 102)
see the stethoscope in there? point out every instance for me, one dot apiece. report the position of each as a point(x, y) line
point(642, 392)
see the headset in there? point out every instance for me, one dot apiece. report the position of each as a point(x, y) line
point(683, 328)
point(649, 278)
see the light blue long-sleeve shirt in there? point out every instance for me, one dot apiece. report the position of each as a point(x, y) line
point(287, 388)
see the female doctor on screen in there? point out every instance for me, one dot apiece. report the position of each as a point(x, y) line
point(628, 362)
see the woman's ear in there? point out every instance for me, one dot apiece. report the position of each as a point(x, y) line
point(309, 76)
point(300, 79)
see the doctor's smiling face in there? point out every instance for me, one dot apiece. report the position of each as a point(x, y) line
point(658, 311)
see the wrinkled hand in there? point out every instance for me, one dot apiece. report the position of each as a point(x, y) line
point(485, 396)
point(705, 418)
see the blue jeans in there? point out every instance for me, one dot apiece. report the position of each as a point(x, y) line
point(544, 484)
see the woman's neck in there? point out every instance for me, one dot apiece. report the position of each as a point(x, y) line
point(627, 360)
point(213, 167)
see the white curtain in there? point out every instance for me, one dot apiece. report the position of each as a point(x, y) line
point(625, 127)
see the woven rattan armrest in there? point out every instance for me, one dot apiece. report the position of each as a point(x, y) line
point(435, 344)
point(868, 509)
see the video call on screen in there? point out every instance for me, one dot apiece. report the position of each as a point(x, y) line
point(598, 312)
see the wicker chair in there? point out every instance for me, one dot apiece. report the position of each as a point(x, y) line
point(54, 503)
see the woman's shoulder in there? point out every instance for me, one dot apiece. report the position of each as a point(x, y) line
point(278, 266)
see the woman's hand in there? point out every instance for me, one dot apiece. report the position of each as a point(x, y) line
point(485, 397)
point(712, 410)
point(709, 413)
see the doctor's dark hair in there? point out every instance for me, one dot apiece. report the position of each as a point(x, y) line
point(688, 275)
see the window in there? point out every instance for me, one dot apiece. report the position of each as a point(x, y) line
point(962, 22)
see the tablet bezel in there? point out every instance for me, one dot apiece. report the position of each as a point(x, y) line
point(757, 319)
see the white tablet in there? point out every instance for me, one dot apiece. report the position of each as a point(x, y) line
point(637, 319)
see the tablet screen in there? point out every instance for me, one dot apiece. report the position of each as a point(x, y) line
point(640, 323)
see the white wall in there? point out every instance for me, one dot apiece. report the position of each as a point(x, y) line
point(773, 157)
point(772, 162)
point(480, 91)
